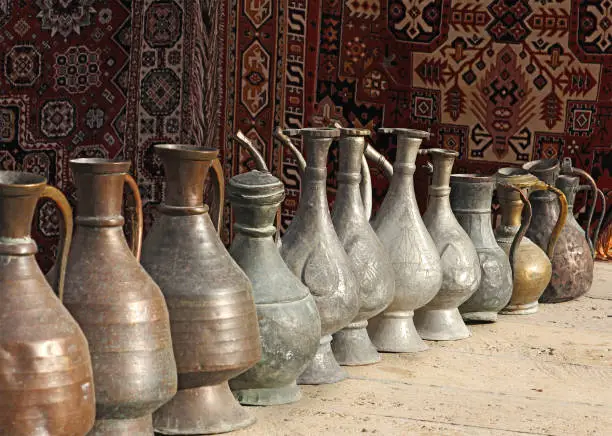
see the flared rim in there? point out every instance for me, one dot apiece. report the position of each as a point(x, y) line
point(542, 165)
point(472, 178)
point(98, 165)
point(188, 151)
point(20, 179)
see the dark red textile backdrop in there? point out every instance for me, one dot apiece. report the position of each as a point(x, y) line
point(500, 81)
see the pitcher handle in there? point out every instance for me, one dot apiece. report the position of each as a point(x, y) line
point(556, 231)
point(218, 170)
point(60, 200)
point(602, 197)
point(525, 222)
point(138, 225)
point(283, 137)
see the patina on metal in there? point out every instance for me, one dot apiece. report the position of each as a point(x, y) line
point(568, 169)
point(314, 253)
point(46, 377)
point(440, 320)
point(572, 261)
point(413, 253)
point(213, 320)
point(369, 259)
point(470, 198)
point(289, 323)
point(119, 307)
point(531, 266)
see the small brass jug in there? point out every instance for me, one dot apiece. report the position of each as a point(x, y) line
point(531, 266)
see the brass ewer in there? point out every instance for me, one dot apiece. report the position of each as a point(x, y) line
point(46, 377)
point(531, 266)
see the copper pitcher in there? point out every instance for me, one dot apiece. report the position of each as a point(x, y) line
point(531, 266)
point(119, 307)
point(572, 260)
point(46, 380)
point(213, 319)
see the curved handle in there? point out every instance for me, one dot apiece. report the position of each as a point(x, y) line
point(560, 221)
point(593, 188)
point(138, 226)
point(601, 195)
point(525, 223)
point(365, 186)
point(218, 170)
point(283, 137)
point(56, 195)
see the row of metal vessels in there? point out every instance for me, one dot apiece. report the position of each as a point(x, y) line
point(174, 334)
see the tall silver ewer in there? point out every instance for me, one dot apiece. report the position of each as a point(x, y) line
point(312, 251)
point(369, 259)
point(440, 319)
point(414, 256)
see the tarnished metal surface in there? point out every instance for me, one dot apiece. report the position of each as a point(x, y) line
point(369, 259)
point(532, 269)
point(440, 319)
point(289, 323)
point(413, 254)
point(470, 199)
point(572, 261)
point(213, 320)
point(120, 309)
point(314, 253)
point(46, 378)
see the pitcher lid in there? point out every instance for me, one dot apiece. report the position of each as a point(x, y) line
point(257, 187)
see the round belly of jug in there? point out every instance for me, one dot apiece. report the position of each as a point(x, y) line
point(290, 334)
point(572, 268)
point(495, 288)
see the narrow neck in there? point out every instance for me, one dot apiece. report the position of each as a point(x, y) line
point(407, 151)
point(184, 192)
point(439, 190)
point(17, 213)
point(100, 198)
point(255, 220)
point(314, 181)
point(351, 151)
point(511, 208)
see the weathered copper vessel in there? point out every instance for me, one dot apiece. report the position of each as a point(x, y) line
point(440, 319)
point(413, 254)
point(313, 252)
point(213, 320)
point(369, 259)
point(531, 266)
point(46, 379)
point(120, 309)
point(470, 198)
point(568, 170)
point(572, 261)
point(289, 323)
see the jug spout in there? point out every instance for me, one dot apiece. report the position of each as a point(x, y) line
point(284, 137)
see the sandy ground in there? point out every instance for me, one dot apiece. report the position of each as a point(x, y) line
point(543, 374)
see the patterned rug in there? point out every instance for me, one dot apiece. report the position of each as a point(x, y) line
point(500, 81)
point(90, 78)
